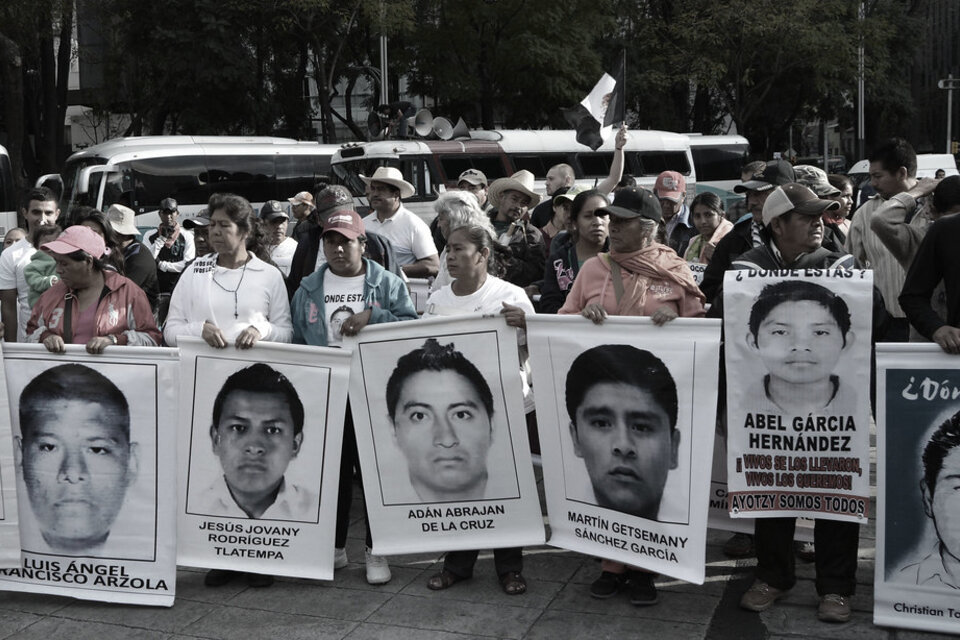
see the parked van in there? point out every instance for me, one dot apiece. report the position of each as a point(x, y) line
point(141, 171)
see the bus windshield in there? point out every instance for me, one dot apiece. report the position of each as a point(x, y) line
point(71, 172)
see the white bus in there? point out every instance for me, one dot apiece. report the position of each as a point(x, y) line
point(719, 160)
point(141, 171)
point(8, 195)
point(433, 166)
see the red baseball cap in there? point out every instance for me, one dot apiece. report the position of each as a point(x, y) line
point(346, 222)
point(77, 237)
point(671, 185)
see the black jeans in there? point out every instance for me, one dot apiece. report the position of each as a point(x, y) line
point(836, 554)
point(349, 461)
point(460, 563)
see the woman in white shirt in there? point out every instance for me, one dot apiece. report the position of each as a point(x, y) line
point(231, 296)
point(470, 262)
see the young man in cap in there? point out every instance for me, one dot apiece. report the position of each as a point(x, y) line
point(671, 191)
point(512, 197)
point(893, 170)
point(39, 208)
point(475, 181)
point(138, 263)
point(409, 234)
point(301, 205)
point(280, 246)
point(200, 226)
point(172, 248)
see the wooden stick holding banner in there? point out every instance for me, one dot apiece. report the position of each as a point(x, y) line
point(626, 412)
point(95, 467)
point(438, 410)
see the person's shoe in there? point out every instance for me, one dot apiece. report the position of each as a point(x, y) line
point(760, 596)
point(804, 551)
point(607, 585)
point(740, 545)
point(512, 583)
point(643, 592)
point(443, 580)
point(378, 569)
point(340, 558)
point(219, 577)
point(259, 580)
point(834, 608)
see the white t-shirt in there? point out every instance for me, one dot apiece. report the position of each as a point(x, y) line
point(489, 298)
point(282, 255)
point(13, 260)
point(342, 298)
point(409, 235)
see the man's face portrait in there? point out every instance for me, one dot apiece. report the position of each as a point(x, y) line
point(628, 446)
point(800, 342)
point(943, 507)
point(444, 431)
point(77, 463)
point(255, 441)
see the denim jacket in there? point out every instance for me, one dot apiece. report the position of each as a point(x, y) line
point(383, 293)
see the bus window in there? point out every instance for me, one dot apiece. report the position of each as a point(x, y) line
point(595, 165)
point(296, 173)
point(417, 172)
point(453, 166)
point(118, 189)
point(253, 177)
point(652, 163)
point(177, 177)
point(8, 198)
point(538, 164)
point(720, 162)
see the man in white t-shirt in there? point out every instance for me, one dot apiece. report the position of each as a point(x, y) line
point(411, 238)
point(280, 246)
point(40, 209)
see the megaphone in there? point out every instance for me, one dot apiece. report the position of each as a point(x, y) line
point(461, 130)
point(375, 126)
point(443, 128)
point(423, 123)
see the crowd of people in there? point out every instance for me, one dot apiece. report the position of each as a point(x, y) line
point(233, 276)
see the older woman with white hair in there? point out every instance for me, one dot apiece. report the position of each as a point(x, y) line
point(456, 209)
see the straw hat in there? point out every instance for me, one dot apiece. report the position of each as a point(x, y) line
point(393, 177)
point(521, 181)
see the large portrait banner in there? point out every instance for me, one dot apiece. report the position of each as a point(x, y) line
point(441, 433)
point(260, 437)
point(9, 522)
point(798, 392)
point(95, 466)
point(626, 413)
point(917, 575)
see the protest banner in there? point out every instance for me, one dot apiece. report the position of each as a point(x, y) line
point(697, 269)
point(918, 488)
point(441, 433)
point(9, 522)
point(798, 398)
point(259, 441)
point(626, 413)
point(94, 448)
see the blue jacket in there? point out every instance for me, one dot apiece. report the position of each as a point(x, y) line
point(384, 294)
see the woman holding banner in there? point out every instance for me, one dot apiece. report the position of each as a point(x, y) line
point(359, 292)
point(638, 277)
point(475, 289)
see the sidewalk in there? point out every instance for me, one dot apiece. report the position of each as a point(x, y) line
point(556, 606)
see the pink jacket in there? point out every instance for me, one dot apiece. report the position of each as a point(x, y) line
point(644, 293)
point(123, 312)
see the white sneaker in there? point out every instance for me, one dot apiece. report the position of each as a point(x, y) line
point(378, 570)
point(340, 558)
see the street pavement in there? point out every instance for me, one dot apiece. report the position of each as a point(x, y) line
point(557, 605)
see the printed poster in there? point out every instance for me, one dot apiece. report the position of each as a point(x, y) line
point(9, 522)
point(438, 410)
point(95, 466)
point(626, 413)
point(260, 438)
point(917, 575)
point(798, 397)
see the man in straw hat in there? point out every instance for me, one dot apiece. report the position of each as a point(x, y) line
point(138, 262)
point(412, 242)
point(513, 198)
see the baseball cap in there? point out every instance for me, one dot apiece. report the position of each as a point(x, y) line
point(271, 210)
point(304, 197)
point(168, 204)
point(815, 178)
point(777, 172)
point(334, 197)
point(794, 196)
point(202, 219)
point(77, 237)
point(568, 193)
point(345, 222)
point(671, 185)
point(474, 177)
point(635, 202)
